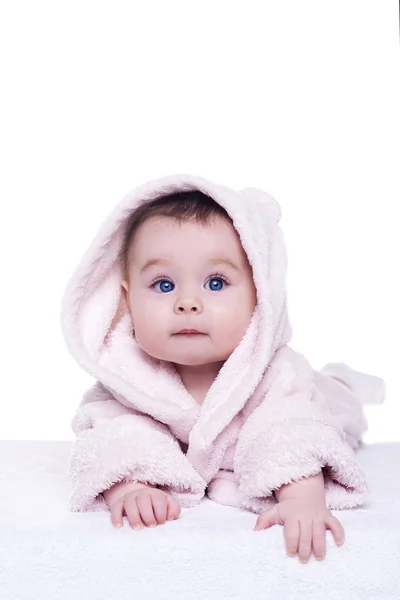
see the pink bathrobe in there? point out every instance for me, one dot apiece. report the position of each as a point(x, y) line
point(267, 420)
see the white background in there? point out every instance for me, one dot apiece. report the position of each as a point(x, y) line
point(298, 98)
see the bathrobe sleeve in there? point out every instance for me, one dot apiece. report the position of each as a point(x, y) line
point(115, 443)
point(292, 435)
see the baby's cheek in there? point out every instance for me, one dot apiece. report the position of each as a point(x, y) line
point(233, 331)
point(148, 333)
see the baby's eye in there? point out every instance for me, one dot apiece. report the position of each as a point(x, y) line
point(167, 286)
point(165, 282)
point(216, 280)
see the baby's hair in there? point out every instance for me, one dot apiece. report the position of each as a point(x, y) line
point(185, 206)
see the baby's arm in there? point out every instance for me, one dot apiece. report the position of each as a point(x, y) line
point(310, 488)
point(117, 444)
point(302, 509)
point(119, 489)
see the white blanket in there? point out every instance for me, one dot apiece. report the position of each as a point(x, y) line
point(210, 553)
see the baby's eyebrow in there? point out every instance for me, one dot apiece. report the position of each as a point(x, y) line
point(164, 261)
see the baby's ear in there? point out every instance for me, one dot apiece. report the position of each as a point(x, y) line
point(265, 199)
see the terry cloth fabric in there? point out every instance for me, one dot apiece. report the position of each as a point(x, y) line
point(268, 419)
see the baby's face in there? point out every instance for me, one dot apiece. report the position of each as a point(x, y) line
point(187, 290)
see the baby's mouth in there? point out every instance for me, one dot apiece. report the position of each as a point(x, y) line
point(189, 334)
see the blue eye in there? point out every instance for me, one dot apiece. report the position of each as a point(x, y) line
point(164, 282)
point(216, 279)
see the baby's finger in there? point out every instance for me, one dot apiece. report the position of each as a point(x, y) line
point(132, 512)
point(336, 527)
point(319, 538)
point(173, 509)
point(291, 528)
point(116, 514)
point(160, 508)
point(305, 539)
point(145, 507)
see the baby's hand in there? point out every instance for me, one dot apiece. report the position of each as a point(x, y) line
point(304, 523)
point(145, 507)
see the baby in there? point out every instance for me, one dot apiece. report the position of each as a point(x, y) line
point(178, 309)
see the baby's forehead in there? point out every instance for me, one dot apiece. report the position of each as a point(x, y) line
point(162, 221)
point(159, 237)
point(215, 234)
point(161, 231)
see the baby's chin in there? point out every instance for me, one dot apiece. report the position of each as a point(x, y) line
point(187, 357)
point(188, 352)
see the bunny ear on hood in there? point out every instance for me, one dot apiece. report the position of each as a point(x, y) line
point(270, 206)
point(97, 327)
